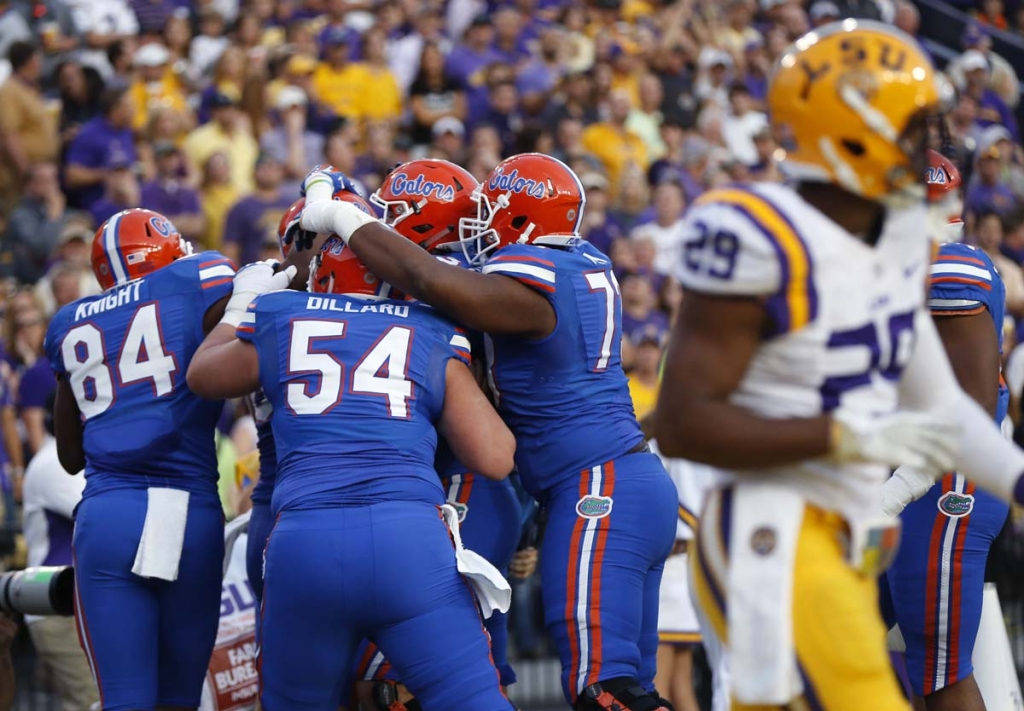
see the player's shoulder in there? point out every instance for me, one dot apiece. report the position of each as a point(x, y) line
point(284, 300)
point(958, 254)
point(205, 269)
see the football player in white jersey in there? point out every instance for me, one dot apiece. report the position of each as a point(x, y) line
point(804, 365)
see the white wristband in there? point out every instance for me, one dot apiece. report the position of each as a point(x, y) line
point(232, 317)
point(320, 188)
point(334, 217)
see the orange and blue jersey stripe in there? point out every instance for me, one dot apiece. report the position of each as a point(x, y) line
point(216, 272)
point(460, 344)
point(796, 302)
point(944, 592)
point(584, 582)
point(247, 328)
point(82, 625)
point(532, 271)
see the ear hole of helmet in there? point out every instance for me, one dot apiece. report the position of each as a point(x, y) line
point(422, 229)
point(853, 146)
point(518, 221)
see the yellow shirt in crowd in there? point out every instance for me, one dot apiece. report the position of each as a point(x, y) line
point(615, 148)
point(645, 397)
point(348, 91)
point(150, 98)
point(239, 146)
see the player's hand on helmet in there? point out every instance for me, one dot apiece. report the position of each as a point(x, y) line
point(299, 239)
point(250, 282)
point(903, 487)
point(922, 440)
point(325, 182)
point(333, 217)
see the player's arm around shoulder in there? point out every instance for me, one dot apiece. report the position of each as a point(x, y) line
point(475, 433)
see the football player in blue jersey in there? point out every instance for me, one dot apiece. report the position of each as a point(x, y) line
point(938, 578)
point(148, 539)
point(358, 382)
point(551, 309)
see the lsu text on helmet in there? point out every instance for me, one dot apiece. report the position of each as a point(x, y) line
point(855, 97)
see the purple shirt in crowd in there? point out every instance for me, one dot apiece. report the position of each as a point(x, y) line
point(37, 382)
point(253, 222)
point(170, 198)
point(989, 198)
point(98, 145)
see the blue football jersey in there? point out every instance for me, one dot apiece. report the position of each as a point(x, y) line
point(125, 353)
point(565, 396)
point(965, 281)
point(261, 413)
point(356, 387)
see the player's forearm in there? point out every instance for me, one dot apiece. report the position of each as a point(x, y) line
point(723, 435)
point(210, 366)
point(68, 429)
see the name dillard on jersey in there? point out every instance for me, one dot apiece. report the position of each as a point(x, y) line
point(127, 294)
point(322, 303)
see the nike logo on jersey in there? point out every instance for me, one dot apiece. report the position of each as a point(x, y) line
point(595, 260)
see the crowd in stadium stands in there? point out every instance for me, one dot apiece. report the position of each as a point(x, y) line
point(211, 112)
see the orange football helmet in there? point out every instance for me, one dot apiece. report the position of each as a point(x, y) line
point(289, 220)
point(337, 270)
point(945, 205)
point(423, 200)
point(530, 198)
point(134, 243)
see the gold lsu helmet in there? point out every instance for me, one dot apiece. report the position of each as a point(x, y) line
point(854, 97)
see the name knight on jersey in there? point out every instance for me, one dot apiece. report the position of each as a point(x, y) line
point(127, 294)
point(319, 303)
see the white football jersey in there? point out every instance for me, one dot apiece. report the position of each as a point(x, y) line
point(842, 315)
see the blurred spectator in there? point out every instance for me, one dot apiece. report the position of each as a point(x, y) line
point(217, 195)
point(35, 225)
point(643, 378)
point(254, 219)
point(448, 143)
point(860, 9)
point(227, 132)
point(28, 126)
point(229, 79)
point(991, 13)
point(13, 28)
point(714, 73)
point(79, 97)
point(991, 107)
point(741, 124)
point(574, 100)
point(738, 31)
point(70, 277)
point(640, 305)
point(208, 46)
point(963, 128)
point(433, 95)
point(614, 144)
point(121, 192)
point(170, 196)
point(468, 61)
point(53, 29)
point(988, 235)
point(666, 231)
point(823, 12)
point(382, 154)
point(1002, 78)
point(121, 60)
point(907, 18)
point(645, 119)
point(539, 77)
point(291, 142)
point(598, 227)
point(508, 31)
point(342, 85)
point(50, 498)
point(103, 142)
point(502, 110)
point(384, 102)
point(25, 333)
point(152, 15)
point(102, 23)
point(986, 192)
point(405, 53)
point(1011, 172)
point(177, 37)
point(155, 86)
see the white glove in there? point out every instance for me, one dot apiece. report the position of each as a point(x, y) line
point(904, 486)
point(916, 439)
point(317, 186)
point(334, 217)
point(250, 282)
